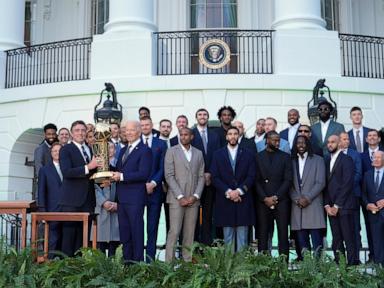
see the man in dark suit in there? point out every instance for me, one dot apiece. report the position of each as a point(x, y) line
point(226, 114)
point(340, 201)
point(273, 180)
point(373, 198)
point(181, 122)
point(373, 140)
point(326, 126)
point(42, 154)
point(358, 176)
point(145, 112)
point(133, 171)
point(155, 194)
point(77, 193)
point(50, 179)
point(233, 174)
point(207, 141)
point(358, 133)
point(290, 133)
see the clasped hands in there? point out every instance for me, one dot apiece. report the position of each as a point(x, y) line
point(302, 202)
point(376, 207)
point(234, 195)
point(110, 206)
point(271, 201)
point(331, 211)
point(187, 201)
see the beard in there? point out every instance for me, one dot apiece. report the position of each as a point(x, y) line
point(273, 148)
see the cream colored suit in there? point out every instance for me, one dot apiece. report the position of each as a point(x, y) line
point(184, 178)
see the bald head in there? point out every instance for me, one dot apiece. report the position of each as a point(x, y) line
point(333, 143)
point(240, 126)
point(132, 130)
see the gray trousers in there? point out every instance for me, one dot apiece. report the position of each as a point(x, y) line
point(181, 217)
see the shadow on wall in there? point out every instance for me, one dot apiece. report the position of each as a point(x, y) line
point(21, 174)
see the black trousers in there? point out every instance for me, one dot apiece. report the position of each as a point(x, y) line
point(266, 218)
point(203, 232)
point(72, 232)
point(343, 232)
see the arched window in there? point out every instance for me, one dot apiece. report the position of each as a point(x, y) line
point(213, 14)
point(100, 15)
point(330, 13)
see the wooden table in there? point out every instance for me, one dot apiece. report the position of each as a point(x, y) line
point(62, 217)
point(20, 208)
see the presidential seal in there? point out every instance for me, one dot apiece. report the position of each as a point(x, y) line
point(214, 54)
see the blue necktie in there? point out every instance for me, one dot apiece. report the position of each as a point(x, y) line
point(377, 181)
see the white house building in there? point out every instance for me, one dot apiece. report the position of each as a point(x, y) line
point(55, 56)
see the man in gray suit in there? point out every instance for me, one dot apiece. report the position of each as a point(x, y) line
point(326, 127)
point(307, 213)
point(184, 173)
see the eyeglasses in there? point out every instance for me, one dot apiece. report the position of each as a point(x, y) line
point(325, 109)
point(304, 131)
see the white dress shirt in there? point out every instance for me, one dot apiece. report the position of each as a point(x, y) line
point(292, 131)
point(302, 163)
point(233, 154)
point(147, 138)
point(167, 140)
point(187, 153)
point(361, 134)
point(133, 146)
point(324, 128)
point(333, 159)
point(57, 166)
point(371, 151)
point(200, 129)
point(86, 148)
point(259, 138)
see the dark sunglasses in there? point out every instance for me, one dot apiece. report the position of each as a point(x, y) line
point(325, 109)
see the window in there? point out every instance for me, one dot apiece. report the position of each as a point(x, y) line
point(27, 23)
point(330, 13)
point(213, 14)
point(100, 15)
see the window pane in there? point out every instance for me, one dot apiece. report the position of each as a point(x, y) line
point(198, 16)
point(214, 16)
point(229, 16)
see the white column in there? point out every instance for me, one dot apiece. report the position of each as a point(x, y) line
point(127, 40)
point(11, 24)
point(126, 15)
point(12, 14)
point(298, 14)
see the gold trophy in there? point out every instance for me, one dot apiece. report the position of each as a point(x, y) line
point(110, 113)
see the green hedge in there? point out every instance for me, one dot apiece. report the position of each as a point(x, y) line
point(212, 267)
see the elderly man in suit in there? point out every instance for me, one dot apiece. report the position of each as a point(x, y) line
point(307, 213)
point(273, 181)
point(184, 173)
point(233, 173)
point(154, 185)
point(327, 126)
point(290, 133)
point(340, 200)
point(77, 192)
point(207, 141)
point(373, 197)
point(133, 167)
point(358, 133)
point(50, 179)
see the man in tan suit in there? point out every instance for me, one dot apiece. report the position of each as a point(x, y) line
point(184, 173)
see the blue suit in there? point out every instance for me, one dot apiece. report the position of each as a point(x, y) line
point(285, 133)
point(284, 146)
point(376, 221)
point(352, 143)
point(334, 128)
point(203, 232)
point(174, 141)
point(131, 195)
point(48, 200)
point(155, 200)
point(77, 195)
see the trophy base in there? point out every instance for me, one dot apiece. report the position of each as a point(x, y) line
point(99, 177)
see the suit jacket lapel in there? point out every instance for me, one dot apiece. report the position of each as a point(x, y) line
point(238, 158)
point(307, 168)
point(331, 128)
point(54, 171)
point(335, 164)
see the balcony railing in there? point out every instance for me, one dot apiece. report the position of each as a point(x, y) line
point(47, 63)
point(250, 52)
point(362, 56)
